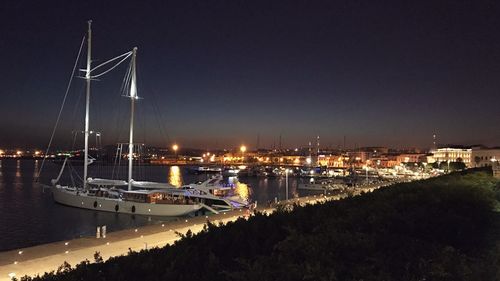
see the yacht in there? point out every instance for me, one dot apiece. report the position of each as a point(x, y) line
point(121, 196)
point(205, 170)
point(215, 187)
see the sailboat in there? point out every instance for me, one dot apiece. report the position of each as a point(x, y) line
point(120, 196)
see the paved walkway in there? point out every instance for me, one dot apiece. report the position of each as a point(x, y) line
point(43, 258)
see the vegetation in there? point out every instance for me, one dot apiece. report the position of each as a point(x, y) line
point(446, 228)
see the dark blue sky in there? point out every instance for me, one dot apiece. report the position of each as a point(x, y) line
point(218, 73)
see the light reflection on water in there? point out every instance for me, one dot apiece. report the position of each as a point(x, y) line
point(242, 190)
point(174, 176)
point(18, 169)
point(35, 170)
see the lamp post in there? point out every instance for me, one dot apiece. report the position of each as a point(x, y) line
point(286, 183)
point(243, 149)
point(175, 147)
point(366, 174)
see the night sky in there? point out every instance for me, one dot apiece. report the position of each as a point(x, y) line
point(216, 74)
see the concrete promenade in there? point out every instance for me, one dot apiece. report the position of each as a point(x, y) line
point(47, 257)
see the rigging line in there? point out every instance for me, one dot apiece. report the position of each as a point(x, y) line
point(126, 79)
point(101, 74)
point(73, 171)
point(74, 140)
point(118, 112)
point(61, 109)
point(121, 113)
point(125, 91)
point(159, 117)
point(75, 109)
point(114, 162)
point(127, 54)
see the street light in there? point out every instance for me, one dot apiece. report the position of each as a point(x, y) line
point(366, 170)
point(286, 183)
point(175, 147)
point(243, 149)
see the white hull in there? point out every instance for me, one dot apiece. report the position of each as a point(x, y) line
point(70, 198)
point(237, 201)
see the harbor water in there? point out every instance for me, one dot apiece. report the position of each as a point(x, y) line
point(29, 216)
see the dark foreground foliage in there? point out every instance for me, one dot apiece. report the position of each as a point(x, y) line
point(444, 228)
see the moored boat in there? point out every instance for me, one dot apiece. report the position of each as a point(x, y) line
point(120, 196)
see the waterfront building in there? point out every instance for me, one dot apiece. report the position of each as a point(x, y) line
point(383, 162)
point(375, 150)
point(359, 156)
point(410, 158)
point(451, 154)
point(483, 156)
point(496, 170)
point(334, 161)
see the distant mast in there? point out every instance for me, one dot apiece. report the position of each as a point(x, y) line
point(87, 104)
point(434, 144)
point(133, 97)
point(317, 152)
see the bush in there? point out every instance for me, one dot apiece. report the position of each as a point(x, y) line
point(438, 229)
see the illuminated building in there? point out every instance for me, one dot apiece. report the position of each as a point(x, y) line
point(410, 158)
point(482, 157)
point(449, 154)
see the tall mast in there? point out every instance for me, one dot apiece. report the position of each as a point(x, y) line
point(133, 97)
point(87, 103)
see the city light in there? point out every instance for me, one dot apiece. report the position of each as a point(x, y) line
point(243, 149)
point(175, 147)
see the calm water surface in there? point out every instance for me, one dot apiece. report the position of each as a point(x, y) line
point(29, 216)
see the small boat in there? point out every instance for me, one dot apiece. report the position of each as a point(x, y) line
point(204, 170)
point(230, 171)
